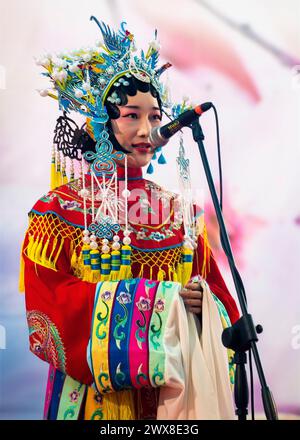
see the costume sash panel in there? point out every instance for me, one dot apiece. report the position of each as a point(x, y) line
point(141, 318)
point(226, 323)
point(49, 390)
point(57, 388)
point(72, 396)
point(126, 346)
point(94, 406)
point(120, 334)
point(99, 344)
point(166, 292)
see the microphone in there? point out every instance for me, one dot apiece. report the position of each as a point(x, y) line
point(159, 136)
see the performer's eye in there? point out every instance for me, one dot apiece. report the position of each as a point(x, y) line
point(131, 116)
point(156, 117)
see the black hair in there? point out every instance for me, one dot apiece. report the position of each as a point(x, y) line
point(133, 85)
point(129, 87)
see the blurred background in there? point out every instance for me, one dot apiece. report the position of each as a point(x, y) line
point(244, 56)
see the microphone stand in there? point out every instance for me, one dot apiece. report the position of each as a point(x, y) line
point(242, 335)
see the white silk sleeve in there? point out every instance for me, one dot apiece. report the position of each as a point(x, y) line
point(196, 366)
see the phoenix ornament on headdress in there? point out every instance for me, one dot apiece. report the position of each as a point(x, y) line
point(83, 78)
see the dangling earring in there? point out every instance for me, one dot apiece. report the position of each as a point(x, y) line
point(150, 168)
point(161, 160)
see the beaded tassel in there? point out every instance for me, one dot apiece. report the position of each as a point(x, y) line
point(125, 269)
point(85, 257)
point(115, 259)
point(187, 265)
point(53, 184)
point(72, 174)
point(58, 170)
point(105, 261)
point(95, 275)
point(86, 261)
point(63, 172)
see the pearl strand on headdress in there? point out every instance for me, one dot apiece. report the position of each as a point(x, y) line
point(84, 193)
point(126, 194)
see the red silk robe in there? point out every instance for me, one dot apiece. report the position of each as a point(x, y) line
point(59, 304)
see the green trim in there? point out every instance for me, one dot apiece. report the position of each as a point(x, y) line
point(68, 409)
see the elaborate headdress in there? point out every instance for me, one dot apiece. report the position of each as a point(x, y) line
point(83, 79)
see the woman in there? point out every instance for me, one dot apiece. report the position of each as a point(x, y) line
point(67, 278)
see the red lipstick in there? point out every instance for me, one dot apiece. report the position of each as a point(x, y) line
point(142, 147)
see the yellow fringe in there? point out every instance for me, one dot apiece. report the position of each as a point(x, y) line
point(114, 406)
point(44, 254)
point(161, 275)
point(179, 272)
point(141, 272)
point(30, 244)
point(126, 405)
point(206, 254)
point(95, 276)
point(78, 268)
point(21, 273)
point(125, 272)
point(74, 259)
point(37, 252)
point(114, 275)
point(172, 274)
point(52, 251)
point(111, 406)
point(86, 273)
point(57, 254)
point(32, 249)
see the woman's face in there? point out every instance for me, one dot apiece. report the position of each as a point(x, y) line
point(132, 128)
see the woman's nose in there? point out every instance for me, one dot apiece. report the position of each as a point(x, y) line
point(144, 127)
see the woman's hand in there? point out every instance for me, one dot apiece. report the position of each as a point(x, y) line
point(192, 295)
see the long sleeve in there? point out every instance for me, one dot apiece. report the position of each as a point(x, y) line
point(214, 279)
point(59, 313)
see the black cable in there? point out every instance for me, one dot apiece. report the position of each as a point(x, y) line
point(224, 247)
point(219, 158)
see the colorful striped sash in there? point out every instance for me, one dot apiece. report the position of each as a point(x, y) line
point(126, 348)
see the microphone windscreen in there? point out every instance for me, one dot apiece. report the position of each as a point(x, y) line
point(156, 139)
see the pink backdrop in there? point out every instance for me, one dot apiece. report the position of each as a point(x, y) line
point(256, 91)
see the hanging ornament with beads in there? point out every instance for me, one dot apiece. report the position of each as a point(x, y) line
point(190, 239)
